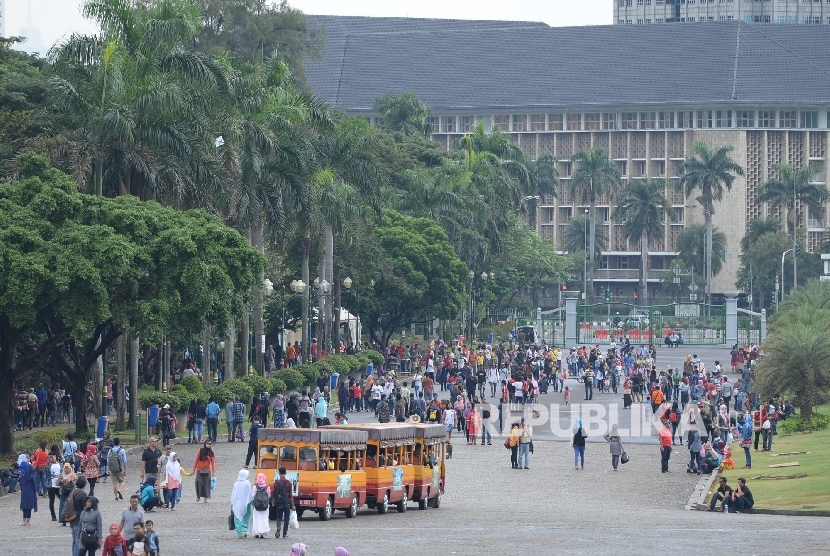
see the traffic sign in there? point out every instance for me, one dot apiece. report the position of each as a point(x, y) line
point(693, 287)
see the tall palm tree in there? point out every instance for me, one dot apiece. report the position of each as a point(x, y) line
point(793, 185)
point(708, 173)
point(691, 247)
point(642, 207)
point(405, 114)
point(546, 177)
point(575, 236)
point(595, 176)
point(756, 228)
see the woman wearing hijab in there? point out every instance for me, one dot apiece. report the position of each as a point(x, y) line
point(147, 495)
point(340, 551)
point(578, 443)
point(91, 467)
point(746, 439)
point(204, 467)
point(723, 422)
point(174, 480)
point(316, 395)
point(321, 409)
point(91, 535)
point(66, 484)
point(241, 498)
point(289, 423)
point(279, 412)
point(259, 523)
point(613, 439)
point(115, 544)
point(298, 549)
point(28, 488)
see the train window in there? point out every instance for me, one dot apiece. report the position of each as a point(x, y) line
point(288, 457)
point(308, 459)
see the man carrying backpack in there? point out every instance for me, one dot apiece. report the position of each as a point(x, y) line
point(282, 499)
point(72, 509)
point(212, 414)
point(117, 462)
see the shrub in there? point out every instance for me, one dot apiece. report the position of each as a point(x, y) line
point(28, 444)
point(795, 423)
point(277, 386)
point(221, 395)
point(310, 373)
point(178, 388)
point(161, 399)
point(375, 357)
point(192, 384)
point(339, 364)
point(257, 383)
point(239, 388)
point(293, 379)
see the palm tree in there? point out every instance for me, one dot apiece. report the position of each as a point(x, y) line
point(709, 172)
point(574, 238)
point(595, 177)
point(691, 247)
point(793, 185)
point(405, 114)
point(641, 207)
point(756, 228)
point(544, 174)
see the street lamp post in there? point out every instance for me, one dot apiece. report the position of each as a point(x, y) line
point(585, 262)
point(301, 288)
point(784, 254)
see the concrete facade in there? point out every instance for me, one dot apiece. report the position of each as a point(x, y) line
point(792, 12)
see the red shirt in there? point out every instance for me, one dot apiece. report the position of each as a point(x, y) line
point(39, 458)
point(665, 437)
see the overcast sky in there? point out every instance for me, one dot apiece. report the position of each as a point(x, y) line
point(57, 18)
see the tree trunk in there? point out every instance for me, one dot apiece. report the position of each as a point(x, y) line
point(644, 263)
point(322, 310)
point(337, 308)
point(206, 377)
point(98, 175)
point(245, 344)
point(258, 299)
point(7, 403)
point(329, 275)
point(306, 293)
point(159, 362)
point(135, 346)
point(230, 340)
point(708, 217)
point(592, 239)
point(121, 381)
point(98, 381)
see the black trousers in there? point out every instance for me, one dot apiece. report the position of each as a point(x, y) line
point(283, 515)
point(251, 453)
point(665, 454)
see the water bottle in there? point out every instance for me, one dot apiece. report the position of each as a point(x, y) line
point(726, 508)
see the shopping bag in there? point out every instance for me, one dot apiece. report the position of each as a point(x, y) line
point(295, 523)
point(213, 484)
point(231, 522)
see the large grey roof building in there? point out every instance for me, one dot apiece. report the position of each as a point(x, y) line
point(644, 93)
point(806, 12)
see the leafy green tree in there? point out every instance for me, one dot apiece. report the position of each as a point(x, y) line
point(420, 277)
point(256, 30)
point(642, 207)
point(756, 228)
point(546, 177)
point(23, 87)
point(595, 176)
point(691, 247)
point(575, 237)
point(405, 114)
point(80, 269)
point(797, 348)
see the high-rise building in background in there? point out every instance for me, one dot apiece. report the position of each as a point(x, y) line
point(34, 42)
point(2, 18)
point(633, 12)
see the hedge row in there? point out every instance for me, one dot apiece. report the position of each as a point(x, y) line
point(286, 380)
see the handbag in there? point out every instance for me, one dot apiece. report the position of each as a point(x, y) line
point(231, 523)
point(89, 536)
point(746, 443)
point(624, 458)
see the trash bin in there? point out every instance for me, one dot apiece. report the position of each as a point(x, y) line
point(489, 337)
point(153, 416)
point(103, 423)
point(335, 377)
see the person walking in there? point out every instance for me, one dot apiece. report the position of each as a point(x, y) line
point(204, 468)
point(91, 535)
point(282, 499)
point(513, 442)
point(54, 484)
point(615, 445)
point(578, 443)
point(525, 438)
point(279, 411)
point(115, 544)
point(588, 379)
point(150, 459)
point(695, 444)
point(260, 505)
point(241, 498)
point(229, 419)
point(92, 467)
point(130, 516)
point(40, 465)
point(212, 416)
point(117, 463)
point(253, 434)
point(66, 483)
point(485, 421)
point(664, 437)
point(238, 418)
point(174, 480)
point(78, 499)
point(28, 488)
point(746, 439)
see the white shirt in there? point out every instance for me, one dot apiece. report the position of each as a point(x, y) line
point(376, 392)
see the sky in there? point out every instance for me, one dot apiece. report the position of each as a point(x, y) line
point(59, 18)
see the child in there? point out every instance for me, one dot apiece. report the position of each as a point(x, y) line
point(567, 395)
point(152, 538)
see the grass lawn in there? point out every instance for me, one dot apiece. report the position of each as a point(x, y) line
point(794, 494)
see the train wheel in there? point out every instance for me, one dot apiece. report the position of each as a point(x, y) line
point(327, 510)
point(351, 511)
point(437, 503)
point(422, 501)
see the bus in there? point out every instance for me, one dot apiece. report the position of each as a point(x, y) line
point(430, 470)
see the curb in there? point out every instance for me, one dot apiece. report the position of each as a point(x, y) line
point(698, 497)
point(796, 513)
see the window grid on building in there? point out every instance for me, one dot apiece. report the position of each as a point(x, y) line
point(593, 121)
point(574, 121)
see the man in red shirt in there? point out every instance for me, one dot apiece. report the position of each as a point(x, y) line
point(39, 460)
point(665, 446)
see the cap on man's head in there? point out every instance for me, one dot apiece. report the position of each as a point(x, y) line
point(153, 439)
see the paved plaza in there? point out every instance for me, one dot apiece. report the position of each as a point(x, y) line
point(489, 508)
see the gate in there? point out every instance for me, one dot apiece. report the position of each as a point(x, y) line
point(692, 323)
point(749, 327)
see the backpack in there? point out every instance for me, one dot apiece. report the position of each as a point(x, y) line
point(673, 417)
point(261, 499)
point(433, 414)
point(280, 499)
point(69, 514)
point(114, 461)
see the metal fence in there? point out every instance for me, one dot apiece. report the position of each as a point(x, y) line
point(691, 323)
